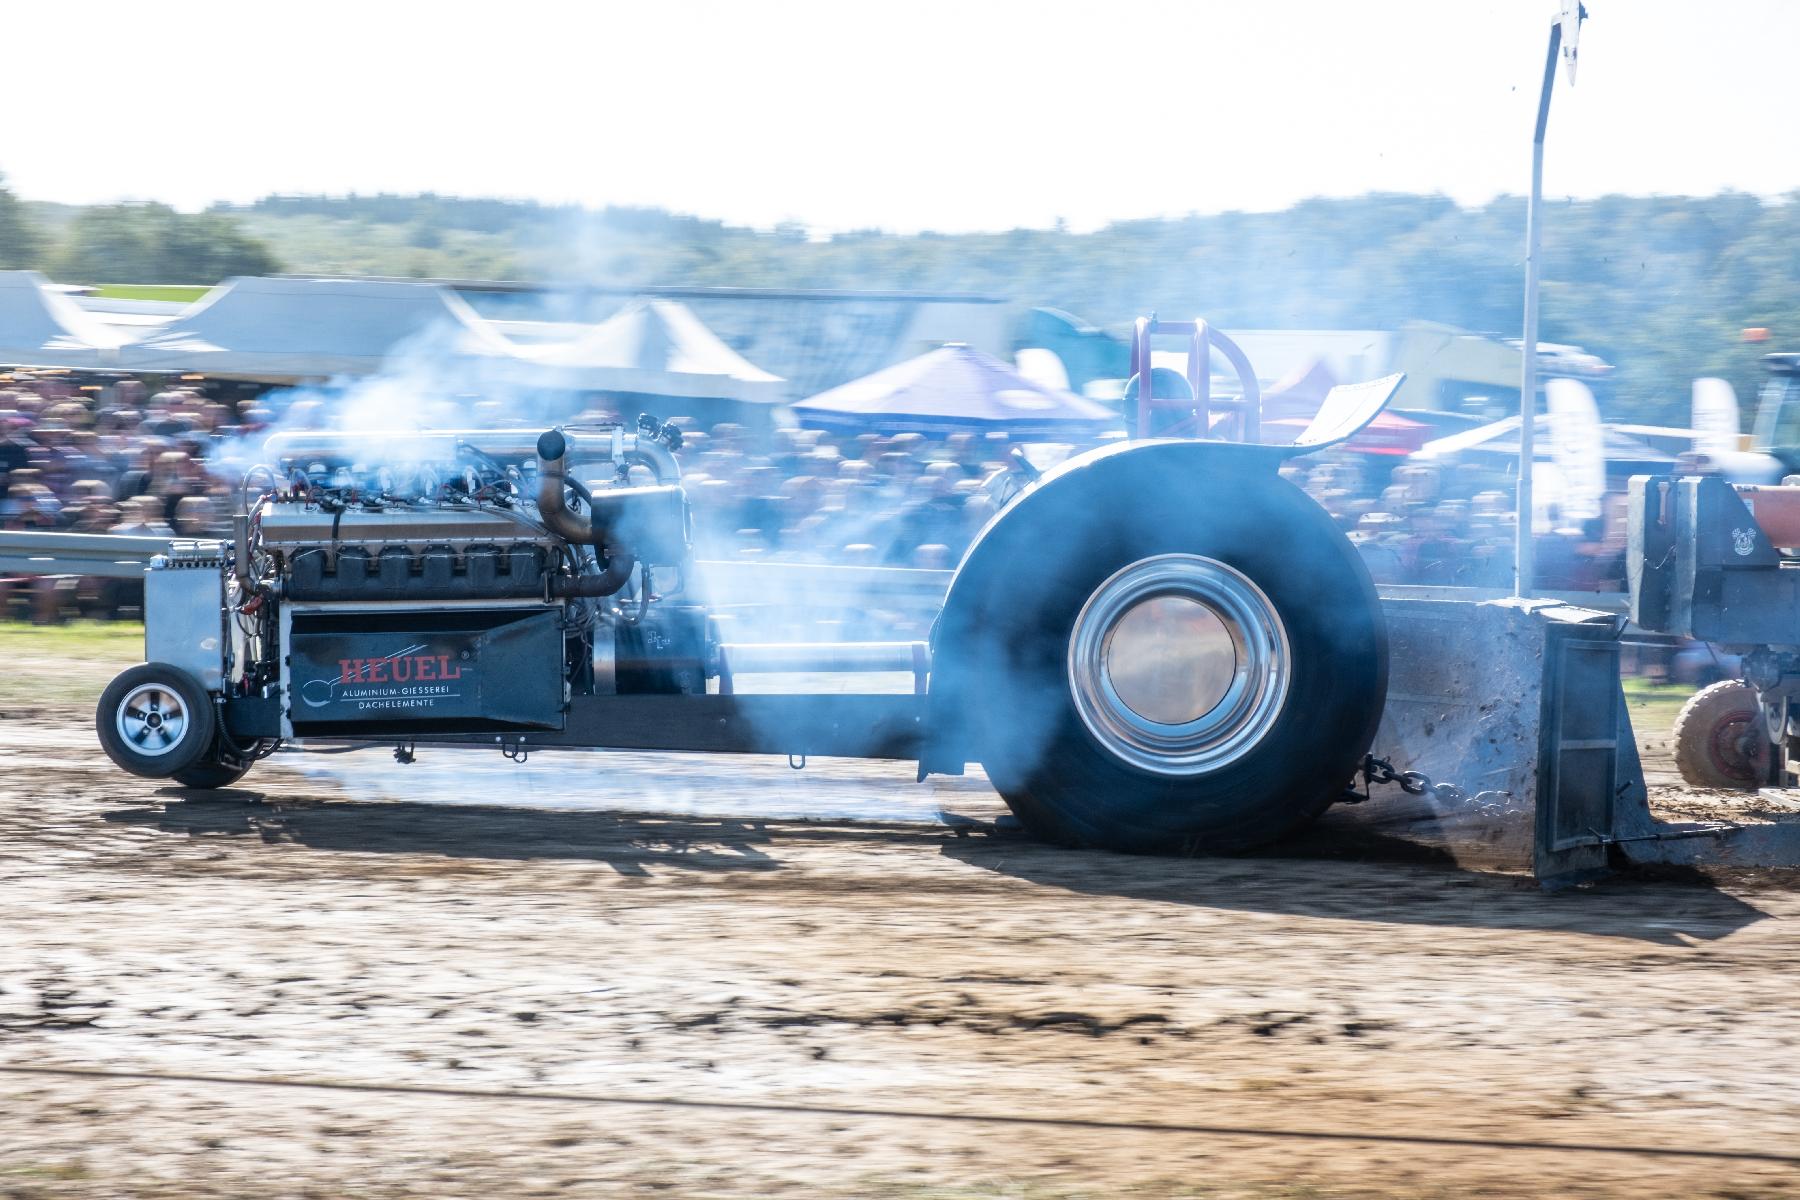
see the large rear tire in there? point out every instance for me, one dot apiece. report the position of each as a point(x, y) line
point(1720, 738)
point(1191, 673)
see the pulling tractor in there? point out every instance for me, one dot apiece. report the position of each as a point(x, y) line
point(1157, 645)
point(1715, 556)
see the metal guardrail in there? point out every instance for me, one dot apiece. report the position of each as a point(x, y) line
point(819, 585)
point(115, 556)
point(730, 582)
point(1612, 602)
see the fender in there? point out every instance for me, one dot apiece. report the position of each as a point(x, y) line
point(1063, 495)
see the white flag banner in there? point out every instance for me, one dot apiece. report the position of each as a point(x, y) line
point(1715, 417)
point(1578, 448)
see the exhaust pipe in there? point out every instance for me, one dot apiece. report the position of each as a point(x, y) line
point(610, 579)
point(612, 444)
point(628, 523)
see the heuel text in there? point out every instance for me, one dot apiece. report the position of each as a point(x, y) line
point(409, 668)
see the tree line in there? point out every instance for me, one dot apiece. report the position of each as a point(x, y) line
point(130, 243)
point(1663, 287)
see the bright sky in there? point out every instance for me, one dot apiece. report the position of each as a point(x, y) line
point(977, 114)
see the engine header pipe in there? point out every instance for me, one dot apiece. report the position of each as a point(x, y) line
point(553, 479)
point(554, 511)
point(611, 444)
point(650, 520)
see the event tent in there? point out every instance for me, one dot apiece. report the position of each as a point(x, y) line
point(281, 329)
point(652, 348)
point(40, 327)
point(955, 389)
point(1300, 392)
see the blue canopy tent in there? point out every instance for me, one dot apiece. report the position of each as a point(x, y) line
point(955, 389)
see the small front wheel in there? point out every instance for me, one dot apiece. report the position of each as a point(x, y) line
point(1720, 739)
point(155, 720)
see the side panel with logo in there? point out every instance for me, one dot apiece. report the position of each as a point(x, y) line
point(473, 669)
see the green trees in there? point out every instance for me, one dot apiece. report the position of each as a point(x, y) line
point(21, 241)
point(152, 243)
point(1660, 286)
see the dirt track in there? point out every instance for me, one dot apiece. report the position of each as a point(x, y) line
point(804, 968)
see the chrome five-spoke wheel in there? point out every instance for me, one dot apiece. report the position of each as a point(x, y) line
point(153, 719)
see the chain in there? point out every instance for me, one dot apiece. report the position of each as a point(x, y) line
point(1418, 783)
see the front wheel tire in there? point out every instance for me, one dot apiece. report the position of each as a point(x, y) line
point(155, 720)
point(1721, 740)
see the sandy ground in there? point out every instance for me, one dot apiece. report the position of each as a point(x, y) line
point(749, 993)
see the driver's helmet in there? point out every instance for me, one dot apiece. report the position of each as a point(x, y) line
point(1166, 383)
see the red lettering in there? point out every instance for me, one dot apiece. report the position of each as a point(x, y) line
point(378, 669)
point(346, 670)
point(445, 670)
point(403, 669)
point(427, 668)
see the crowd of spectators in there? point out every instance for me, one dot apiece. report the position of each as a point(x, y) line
point(1454, 524)
point(108, 457)
point(802, 495)
point(118, 457)
point(114, 457)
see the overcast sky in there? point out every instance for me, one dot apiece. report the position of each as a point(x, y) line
point(978, 114)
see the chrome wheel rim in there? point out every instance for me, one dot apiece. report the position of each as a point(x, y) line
point(1178, 664)
point(152, 719)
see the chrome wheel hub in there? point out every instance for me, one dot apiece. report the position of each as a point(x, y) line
point(1178, 664)
point(152, 719)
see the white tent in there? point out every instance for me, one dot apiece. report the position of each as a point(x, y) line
point(653, 348)
point(279, 330)
point(40, 327)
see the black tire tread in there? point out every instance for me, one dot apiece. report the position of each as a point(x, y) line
point(1072, 792)
point(1699, 718)
point(197, 742)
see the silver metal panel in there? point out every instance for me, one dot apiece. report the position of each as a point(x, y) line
point(1465, 706)
point(284, 684)
point(184, 621)
point(750, 658)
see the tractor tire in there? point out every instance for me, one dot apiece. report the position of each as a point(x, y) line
point(1188, 673)
point(1720, 741)
point(155, 720)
